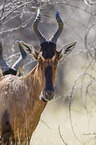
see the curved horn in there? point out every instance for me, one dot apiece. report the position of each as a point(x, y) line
point(35, 27)
point(60, 23)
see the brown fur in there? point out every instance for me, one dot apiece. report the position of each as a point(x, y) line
point(19, 96)
point(20, 106)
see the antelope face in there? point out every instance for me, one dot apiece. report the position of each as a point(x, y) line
point(48, 56)
point(48, 64)
point(48, 59)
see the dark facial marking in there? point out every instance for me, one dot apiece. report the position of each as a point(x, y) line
point(48, 49)
point(48, 78)
point(6, 127)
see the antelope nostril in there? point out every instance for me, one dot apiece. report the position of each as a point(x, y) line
point(48, 95)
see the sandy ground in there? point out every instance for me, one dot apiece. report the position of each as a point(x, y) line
point(55, 122)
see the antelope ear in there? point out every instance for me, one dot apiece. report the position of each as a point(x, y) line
point(29, 49)
point(66, 50)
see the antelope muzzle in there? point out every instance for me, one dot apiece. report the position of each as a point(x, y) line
point(48, 93)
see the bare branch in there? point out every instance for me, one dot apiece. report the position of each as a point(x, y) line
point(90, 2)
point(3, 9)
point(22, 26)
point(16, 7)
point(86, 39)
point(61, 136)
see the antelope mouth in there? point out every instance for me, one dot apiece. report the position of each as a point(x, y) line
point(47, 95)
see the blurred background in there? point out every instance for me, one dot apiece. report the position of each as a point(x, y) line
point(70, 119)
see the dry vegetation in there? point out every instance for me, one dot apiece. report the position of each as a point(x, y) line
point(69, 119)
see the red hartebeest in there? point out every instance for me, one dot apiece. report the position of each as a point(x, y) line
point(7, 69)
point(22, 99)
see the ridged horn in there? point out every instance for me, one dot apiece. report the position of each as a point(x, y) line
point(58, 32)
point(35, 27)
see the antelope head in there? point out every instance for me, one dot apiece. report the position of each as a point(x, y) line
point(48, 57)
